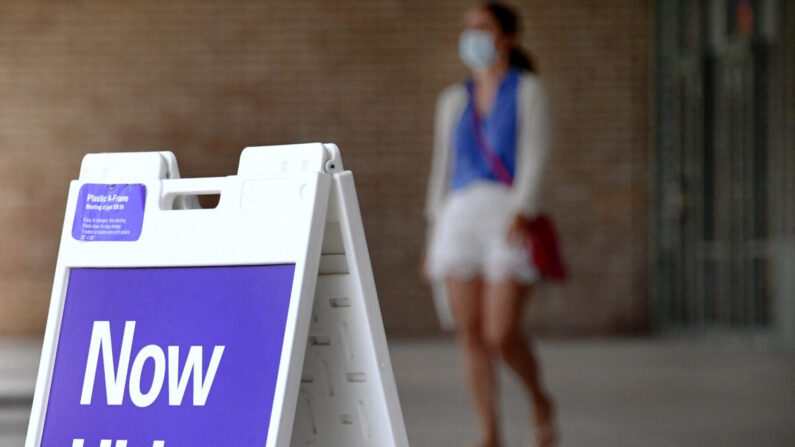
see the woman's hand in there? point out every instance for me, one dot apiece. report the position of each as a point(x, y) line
point(517, 232)
point(423, 271)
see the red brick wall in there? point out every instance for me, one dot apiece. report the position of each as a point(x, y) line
point(206, 78)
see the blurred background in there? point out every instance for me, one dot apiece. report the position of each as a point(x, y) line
point(672, 177)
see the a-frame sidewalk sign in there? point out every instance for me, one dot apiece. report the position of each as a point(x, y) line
point(254, 323)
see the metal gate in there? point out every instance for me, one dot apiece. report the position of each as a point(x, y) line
point(720, 71)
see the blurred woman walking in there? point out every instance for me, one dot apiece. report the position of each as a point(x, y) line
point(490, 145)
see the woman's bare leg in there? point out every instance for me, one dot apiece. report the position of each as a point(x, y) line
point(466, 303)
point(504, 302)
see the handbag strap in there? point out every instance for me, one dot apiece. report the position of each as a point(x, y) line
point(493, 159)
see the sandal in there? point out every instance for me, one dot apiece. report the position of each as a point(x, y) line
point(483, 444)
point(544, 436)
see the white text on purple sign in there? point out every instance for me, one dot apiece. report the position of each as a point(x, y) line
point(109, 443)
point(116, 381)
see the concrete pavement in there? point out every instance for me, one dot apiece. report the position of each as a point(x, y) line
point(626, 392)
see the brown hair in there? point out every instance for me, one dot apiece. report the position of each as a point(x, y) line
point(508, 21)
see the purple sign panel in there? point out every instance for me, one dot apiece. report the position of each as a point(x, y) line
point(109, 212)
point(168, 357)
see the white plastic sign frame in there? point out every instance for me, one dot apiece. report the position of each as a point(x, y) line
point(288, 205)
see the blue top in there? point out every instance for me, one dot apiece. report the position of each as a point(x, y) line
point(499, 127)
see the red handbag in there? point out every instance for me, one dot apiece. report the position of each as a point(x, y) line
point(542, 245)
point(544, 248)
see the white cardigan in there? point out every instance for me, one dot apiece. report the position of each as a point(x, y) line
point(532, 143)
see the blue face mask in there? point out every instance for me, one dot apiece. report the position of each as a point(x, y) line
point(476, 49)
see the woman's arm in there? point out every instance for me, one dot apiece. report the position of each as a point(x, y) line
point(448, 108)
point(532, 145)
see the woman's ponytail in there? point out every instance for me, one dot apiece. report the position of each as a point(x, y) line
point(520, 59)
point(508, 21)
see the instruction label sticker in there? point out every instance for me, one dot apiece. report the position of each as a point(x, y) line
point(109, 212)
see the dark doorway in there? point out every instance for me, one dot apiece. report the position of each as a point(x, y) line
point(723, 161)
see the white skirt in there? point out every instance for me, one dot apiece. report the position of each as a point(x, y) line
point(471, 237)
